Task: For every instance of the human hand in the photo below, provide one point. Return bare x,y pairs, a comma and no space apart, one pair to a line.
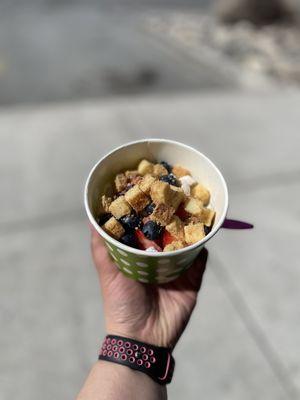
155,314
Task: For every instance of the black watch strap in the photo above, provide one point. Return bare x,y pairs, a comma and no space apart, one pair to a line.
157,362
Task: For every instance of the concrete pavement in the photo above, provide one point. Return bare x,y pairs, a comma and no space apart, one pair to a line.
58,51
242,342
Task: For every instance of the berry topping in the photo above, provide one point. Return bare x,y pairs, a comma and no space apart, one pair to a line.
171,179
129,239
181,213
131,222
167,238
167,166
207,229
152,230
148,209
103,218
144,243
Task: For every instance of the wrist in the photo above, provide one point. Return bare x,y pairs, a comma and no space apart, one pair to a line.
110,380
145,334
140,336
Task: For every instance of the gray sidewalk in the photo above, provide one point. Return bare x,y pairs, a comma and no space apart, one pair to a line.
243,340
63,51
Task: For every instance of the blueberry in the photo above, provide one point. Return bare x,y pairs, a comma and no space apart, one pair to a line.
131,222
167,166
207,229
102,218
152,230
148,210
171,179
129,239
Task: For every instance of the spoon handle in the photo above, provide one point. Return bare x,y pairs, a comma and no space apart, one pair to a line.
235,224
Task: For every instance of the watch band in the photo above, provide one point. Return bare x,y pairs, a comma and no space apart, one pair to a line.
157,362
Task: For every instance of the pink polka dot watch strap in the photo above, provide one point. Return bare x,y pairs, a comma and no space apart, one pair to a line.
157,362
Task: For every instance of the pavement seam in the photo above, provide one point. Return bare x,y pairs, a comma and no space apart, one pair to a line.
255,330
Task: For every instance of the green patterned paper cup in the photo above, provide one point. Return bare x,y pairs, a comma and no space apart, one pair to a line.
148,267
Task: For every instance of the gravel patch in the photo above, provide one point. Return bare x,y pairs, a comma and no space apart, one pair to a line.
270,54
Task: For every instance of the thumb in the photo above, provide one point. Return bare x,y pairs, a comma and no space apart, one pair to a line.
105,266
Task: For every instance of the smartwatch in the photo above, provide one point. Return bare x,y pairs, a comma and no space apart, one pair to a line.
157,362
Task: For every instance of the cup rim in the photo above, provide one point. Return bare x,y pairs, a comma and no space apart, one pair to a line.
124,247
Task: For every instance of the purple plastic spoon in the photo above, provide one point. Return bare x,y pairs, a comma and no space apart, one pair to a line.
235,224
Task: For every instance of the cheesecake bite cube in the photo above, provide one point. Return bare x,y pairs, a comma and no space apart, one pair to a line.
120,207
114,228
145,167
120,182
160,193
146,183
194,232
162,214
106,202
176,228
136,198
159,170
200,192
193,206
207,216
177,196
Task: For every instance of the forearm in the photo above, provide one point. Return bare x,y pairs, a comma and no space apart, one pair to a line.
110,381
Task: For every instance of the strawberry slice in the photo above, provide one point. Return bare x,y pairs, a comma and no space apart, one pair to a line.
167,238
145,243
181,213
